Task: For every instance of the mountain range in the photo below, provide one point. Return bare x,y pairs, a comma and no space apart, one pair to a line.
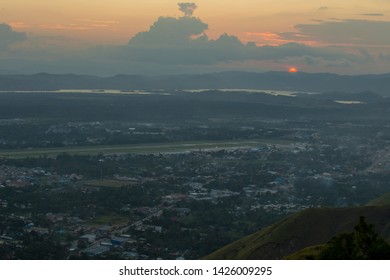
302,82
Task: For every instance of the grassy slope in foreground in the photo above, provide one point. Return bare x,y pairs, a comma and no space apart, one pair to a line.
380,201
315,251
304,229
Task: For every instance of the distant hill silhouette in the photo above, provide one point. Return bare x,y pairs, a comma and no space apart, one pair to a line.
305,82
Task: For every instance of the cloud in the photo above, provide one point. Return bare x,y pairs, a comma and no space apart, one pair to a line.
181,45
182,41
81,24
348,32
18,24
8,36
175,45
168,31
187,8
373,15
107,22
64,27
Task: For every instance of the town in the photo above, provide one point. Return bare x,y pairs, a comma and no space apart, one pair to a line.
127,183
177,205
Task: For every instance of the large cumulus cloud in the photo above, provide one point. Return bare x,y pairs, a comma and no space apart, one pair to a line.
183,41
169,32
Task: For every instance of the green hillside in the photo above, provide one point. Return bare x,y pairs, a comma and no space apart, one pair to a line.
380,201
304,229
306,253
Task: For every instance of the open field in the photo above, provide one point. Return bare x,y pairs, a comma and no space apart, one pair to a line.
106,183
145,148
109,219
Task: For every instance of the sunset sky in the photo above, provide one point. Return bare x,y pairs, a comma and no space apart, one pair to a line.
154,37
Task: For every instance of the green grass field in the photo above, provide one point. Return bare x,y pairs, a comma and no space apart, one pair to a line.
143,148
106,183
112,219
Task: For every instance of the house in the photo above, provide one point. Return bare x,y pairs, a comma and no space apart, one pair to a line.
130,255
104,230
38,230
118,241
95,250
88,237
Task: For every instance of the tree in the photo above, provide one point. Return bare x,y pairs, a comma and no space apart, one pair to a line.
363,243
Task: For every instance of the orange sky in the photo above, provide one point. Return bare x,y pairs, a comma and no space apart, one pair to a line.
349,36
116,21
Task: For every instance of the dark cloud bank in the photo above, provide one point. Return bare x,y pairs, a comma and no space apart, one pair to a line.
349,31
183,41
8,36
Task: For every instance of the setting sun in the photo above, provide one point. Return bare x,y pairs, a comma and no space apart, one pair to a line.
292,70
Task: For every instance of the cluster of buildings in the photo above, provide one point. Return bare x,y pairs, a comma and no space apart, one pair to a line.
269,179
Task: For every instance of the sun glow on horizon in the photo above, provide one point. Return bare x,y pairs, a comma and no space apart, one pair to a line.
292,70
